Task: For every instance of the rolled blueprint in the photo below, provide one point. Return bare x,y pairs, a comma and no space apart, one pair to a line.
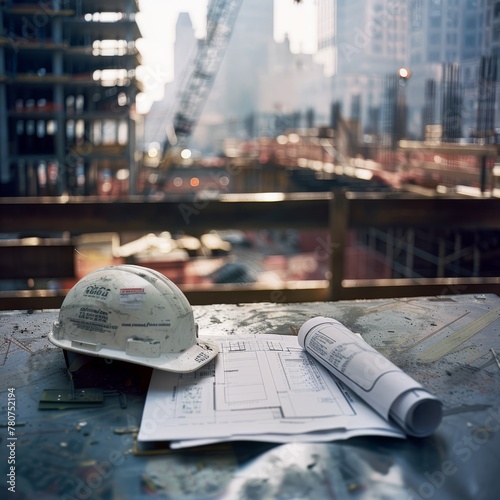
385,387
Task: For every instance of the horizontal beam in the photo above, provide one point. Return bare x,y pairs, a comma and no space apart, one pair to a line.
489,150
188,214
415,287
302,291
291,291
258,211
299,291
379,210
25,300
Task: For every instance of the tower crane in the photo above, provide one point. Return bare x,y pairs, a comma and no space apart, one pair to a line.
221,15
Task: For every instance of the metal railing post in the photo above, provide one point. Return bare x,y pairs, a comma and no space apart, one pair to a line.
339,213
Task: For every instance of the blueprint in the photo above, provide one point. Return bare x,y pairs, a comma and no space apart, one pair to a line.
387,389
260,387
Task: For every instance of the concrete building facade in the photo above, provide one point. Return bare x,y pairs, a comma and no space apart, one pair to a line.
447,41
67,97
361,44
446,45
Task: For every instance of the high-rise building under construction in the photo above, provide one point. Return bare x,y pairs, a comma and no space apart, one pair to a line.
67,97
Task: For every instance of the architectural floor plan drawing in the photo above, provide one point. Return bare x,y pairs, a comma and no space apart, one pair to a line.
259,387
259,374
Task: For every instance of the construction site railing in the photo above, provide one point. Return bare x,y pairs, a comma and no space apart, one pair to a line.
338,212
350,211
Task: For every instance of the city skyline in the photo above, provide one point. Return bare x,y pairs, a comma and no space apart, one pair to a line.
157,20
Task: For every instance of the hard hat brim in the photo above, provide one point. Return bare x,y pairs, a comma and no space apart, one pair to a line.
186,361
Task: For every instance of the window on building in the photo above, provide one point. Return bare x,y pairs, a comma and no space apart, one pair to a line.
435,8
435,38
471,23
470,41
435,22
451,56
433,56
496,33
452,18
497,10
416,58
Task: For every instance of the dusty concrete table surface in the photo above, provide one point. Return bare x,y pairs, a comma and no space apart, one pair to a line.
446,343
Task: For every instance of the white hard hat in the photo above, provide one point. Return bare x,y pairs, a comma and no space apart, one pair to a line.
135,314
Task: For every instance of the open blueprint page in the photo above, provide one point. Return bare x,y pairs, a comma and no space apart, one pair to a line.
260,387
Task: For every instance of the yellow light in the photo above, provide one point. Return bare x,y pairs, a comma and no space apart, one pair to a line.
404,73
122,174
194,182
185,154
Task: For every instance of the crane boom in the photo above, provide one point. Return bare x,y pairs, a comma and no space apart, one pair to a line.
221,15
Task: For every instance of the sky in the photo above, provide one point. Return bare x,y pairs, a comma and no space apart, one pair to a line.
157,20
